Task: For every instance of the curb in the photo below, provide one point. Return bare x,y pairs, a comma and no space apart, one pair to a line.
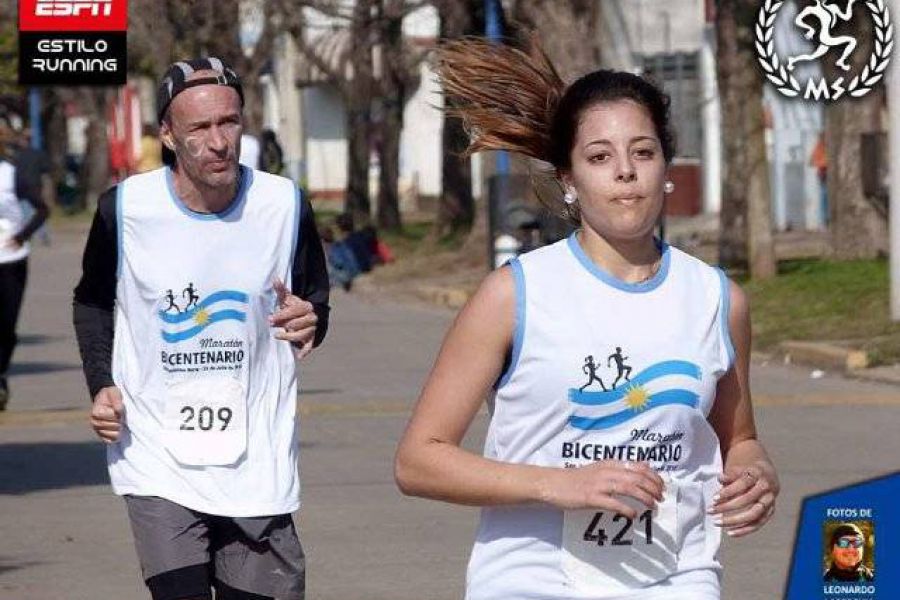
825,355
450,297
886,374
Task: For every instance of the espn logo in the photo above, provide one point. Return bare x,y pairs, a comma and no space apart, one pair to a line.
73,15
72,42
72,8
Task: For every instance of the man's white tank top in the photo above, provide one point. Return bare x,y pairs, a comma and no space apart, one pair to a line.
605,370
210,395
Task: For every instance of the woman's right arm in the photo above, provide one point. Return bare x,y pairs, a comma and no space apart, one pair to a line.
429,459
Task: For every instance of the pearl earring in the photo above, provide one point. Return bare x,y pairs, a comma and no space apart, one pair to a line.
569,198
668,187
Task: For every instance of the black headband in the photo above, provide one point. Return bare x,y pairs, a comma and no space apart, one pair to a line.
175,80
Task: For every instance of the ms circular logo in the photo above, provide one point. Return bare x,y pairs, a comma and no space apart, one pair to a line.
817,22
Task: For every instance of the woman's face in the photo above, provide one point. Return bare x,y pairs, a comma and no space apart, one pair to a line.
618,170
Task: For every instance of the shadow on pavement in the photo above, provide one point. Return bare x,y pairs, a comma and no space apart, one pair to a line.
30,339
29,368
44,466
7,565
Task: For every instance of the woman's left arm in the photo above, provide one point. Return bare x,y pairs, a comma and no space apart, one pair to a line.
749,482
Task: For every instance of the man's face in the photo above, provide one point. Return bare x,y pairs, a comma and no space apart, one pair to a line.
847,551
204,127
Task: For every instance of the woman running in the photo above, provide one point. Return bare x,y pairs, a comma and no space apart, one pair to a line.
586,493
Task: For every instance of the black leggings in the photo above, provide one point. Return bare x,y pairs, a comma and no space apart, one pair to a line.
13,277
193,583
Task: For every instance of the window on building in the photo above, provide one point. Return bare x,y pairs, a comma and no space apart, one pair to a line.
679,75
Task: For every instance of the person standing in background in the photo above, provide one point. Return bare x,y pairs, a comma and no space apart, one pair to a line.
151,149
249,156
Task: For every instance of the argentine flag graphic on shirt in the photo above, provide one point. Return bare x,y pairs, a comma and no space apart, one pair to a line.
222,305
665,383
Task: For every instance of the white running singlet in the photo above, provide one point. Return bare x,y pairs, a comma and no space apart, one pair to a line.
210,395
605,370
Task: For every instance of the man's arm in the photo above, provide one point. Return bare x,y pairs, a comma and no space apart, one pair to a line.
95,296
41,212
309,274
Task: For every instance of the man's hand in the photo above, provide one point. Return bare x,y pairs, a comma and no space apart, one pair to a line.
297,318
107,414
13,243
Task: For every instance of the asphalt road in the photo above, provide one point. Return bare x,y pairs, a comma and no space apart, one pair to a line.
64,536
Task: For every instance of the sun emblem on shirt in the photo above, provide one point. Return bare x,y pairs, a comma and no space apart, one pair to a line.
637,397
202,317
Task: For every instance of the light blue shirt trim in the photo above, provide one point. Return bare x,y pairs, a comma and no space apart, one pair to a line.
724,312
633,288
298,215
519,331
246,179
120,229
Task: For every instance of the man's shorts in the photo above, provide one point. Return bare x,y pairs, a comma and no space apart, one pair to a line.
183,552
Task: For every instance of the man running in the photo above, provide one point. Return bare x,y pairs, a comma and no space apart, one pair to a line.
199,408
621,367
16,228
828,16
192,296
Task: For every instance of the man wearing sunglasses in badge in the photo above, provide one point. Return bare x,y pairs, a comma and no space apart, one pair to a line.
848,545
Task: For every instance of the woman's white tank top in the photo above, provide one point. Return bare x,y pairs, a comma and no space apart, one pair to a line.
605,370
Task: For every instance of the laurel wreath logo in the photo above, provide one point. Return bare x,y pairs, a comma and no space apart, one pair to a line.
859,86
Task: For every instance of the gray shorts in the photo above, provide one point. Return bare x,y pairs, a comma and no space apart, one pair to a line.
176,546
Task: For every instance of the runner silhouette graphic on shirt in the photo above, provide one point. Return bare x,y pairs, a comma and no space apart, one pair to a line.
828,16
620,366
192,296
590,369
171,298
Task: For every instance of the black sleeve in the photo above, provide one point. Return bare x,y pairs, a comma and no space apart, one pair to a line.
95,295
41,211
309,274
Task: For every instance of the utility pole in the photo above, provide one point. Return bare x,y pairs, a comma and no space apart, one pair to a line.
34,116
893,103
493,27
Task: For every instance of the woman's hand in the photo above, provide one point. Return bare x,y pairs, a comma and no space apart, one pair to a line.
603,485
746,501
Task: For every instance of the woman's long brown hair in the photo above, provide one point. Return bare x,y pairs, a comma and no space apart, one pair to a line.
505,96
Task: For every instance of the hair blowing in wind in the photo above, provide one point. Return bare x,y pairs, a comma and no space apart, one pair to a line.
505,96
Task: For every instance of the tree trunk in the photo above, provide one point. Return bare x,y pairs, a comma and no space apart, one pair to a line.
94,175
575,53
357,98
745,218
858,229
253,104
456,207
56,140
393,96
